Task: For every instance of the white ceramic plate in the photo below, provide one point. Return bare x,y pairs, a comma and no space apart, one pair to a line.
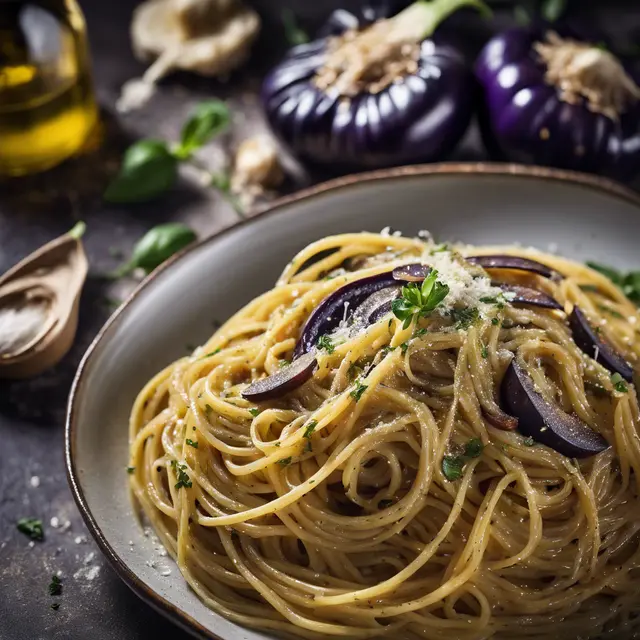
579,216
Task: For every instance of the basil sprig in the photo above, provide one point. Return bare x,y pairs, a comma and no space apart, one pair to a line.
628,282
150,167
156,246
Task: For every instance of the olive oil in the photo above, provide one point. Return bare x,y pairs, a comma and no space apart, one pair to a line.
47,104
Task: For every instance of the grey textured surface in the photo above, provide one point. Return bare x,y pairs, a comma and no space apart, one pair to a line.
95,603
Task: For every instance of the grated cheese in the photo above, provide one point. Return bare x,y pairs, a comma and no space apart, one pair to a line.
465,290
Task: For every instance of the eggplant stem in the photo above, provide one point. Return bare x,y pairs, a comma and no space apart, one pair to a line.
582,71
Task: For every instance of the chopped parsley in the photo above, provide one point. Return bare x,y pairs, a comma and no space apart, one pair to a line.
183,478
465,317
130,469
419,332
473,448
452,466
358,390
495,321
285,461
31,527
192,443
528,442
324,343
403,347
211,353
618,383
387,350
284,363
254,411
484,352
310,428
628,282
55,586
419,301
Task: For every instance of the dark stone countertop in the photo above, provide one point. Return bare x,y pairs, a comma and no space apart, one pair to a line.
95,603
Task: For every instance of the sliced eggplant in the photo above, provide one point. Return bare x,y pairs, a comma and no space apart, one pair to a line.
514,263
376,306
328,314
501,420
526,295
411,272
589,342
284,381
545,421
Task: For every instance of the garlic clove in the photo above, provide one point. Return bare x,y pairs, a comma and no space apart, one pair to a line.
39,300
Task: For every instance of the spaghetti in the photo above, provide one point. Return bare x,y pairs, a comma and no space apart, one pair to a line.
378,499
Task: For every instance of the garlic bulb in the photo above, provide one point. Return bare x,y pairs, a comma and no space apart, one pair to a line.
208,37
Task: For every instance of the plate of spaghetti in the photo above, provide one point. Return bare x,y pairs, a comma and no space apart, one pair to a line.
381,434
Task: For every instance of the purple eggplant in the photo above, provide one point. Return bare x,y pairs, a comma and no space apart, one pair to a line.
595,347
342,302
374,94
287,379
526,295
514,263
551,98
411,272
545,421
376,306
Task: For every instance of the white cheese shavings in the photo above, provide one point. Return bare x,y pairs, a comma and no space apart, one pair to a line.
465,290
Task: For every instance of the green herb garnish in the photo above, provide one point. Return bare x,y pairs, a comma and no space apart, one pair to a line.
55,586
619,383
420,332
294,34
473,448
284,363
416,302
254,411
183,478
383,504
403,347
528,442
310,428
610,311
156,246
495,321
484,352
452,466
358,390
285,461
628,282
211,353
465,317
324,343
31,527
130,469
192,443
150,167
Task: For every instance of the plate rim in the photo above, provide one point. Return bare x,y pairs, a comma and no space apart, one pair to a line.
176,614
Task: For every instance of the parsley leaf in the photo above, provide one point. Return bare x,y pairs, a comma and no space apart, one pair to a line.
465,317
211,353
358,390
618,383
254,411
183,478
419,301
452,467
403,347
31,527
324,343
310,428
484,352
55,586
130,469
192,443
285,461
473,448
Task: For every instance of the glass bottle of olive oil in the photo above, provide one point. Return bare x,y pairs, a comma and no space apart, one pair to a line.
47,104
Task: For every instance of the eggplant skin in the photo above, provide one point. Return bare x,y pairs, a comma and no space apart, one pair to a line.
419,118
523,119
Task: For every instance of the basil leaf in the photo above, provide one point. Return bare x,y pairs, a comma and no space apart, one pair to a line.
613,274
156,246
208,120
553,10
148,170
452,467
473,448
631,286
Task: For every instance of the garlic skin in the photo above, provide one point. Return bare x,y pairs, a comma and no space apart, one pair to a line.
207,37
256,168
